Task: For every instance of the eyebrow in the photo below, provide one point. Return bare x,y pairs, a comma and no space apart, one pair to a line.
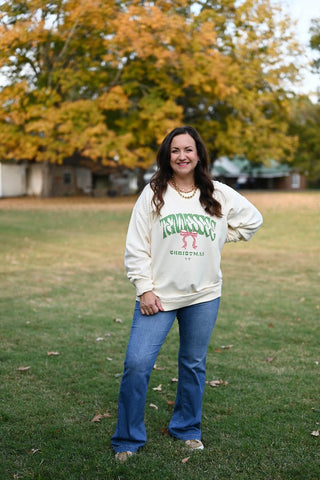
188,146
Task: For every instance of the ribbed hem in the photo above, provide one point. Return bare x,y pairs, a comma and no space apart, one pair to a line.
188,300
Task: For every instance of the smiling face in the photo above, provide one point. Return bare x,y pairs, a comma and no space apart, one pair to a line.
183,156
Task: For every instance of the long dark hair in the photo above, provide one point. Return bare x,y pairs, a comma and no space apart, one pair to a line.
203,181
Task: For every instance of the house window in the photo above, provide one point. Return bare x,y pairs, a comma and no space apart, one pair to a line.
67,178
295,180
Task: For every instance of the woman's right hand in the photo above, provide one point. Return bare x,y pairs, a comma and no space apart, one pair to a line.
150,304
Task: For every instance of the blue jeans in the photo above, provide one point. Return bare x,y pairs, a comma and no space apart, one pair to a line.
147,335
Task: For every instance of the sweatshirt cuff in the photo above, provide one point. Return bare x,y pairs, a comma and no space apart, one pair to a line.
233,235
143,286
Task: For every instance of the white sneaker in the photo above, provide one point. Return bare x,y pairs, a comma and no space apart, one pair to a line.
123,456
194,444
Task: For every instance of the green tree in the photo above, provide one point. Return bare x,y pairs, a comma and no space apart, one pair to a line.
305,124
315,41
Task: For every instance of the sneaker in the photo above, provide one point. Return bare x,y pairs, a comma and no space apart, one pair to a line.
123,456
194,444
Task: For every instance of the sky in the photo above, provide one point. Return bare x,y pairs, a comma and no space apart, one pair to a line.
303,11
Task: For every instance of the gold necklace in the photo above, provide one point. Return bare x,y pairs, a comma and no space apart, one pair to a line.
186,195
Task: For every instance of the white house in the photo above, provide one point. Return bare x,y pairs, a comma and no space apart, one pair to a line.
38,179
13,180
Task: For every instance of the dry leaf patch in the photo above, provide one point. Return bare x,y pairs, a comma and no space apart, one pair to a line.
216,383
99,416
158,388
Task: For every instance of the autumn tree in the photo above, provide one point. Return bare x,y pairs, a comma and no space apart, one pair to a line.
59,92
305,121
104,81
252,118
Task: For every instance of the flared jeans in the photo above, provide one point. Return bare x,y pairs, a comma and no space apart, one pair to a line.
147,335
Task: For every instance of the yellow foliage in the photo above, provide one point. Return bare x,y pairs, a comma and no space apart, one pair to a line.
114,99
107,80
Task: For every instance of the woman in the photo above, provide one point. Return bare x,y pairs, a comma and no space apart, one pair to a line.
173,250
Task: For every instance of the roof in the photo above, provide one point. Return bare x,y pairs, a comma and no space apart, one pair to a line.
242,167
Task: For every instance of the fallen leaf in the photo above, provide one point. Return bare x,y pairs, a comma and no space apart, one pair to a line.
315,433
171,402
118,320
34,450
165,432
184,460
218,350
271,325
152,405
302,299
23,369
52,354
216,383
98,417
226,347
155,367
270,359
158,388
174,380
107,415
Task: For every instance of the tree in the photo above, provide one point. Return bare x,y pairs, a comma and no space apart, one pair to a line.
305,121
55,105
315,41
305,124
252,119
104,81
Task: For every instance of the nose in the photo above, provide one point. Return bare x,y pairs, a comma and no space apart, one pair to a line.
182,155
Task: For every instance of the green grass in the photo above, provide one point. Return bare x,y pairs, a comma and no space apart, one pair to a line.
62,285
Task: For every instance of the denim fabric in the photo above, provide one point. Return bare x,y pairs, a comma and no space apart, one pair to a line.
147,335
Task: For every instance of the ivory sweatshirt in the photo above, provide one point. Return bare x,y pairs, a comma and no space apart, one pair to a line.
177,255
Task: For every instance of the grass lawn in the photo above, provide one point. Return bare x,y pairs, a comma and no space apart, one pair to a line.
65,314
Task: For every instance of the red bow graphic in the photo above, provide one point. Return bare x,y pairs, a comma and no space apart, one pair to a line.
185,235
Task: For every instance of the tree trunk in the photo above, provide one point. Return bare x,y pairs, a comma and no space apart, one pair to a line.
47,187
